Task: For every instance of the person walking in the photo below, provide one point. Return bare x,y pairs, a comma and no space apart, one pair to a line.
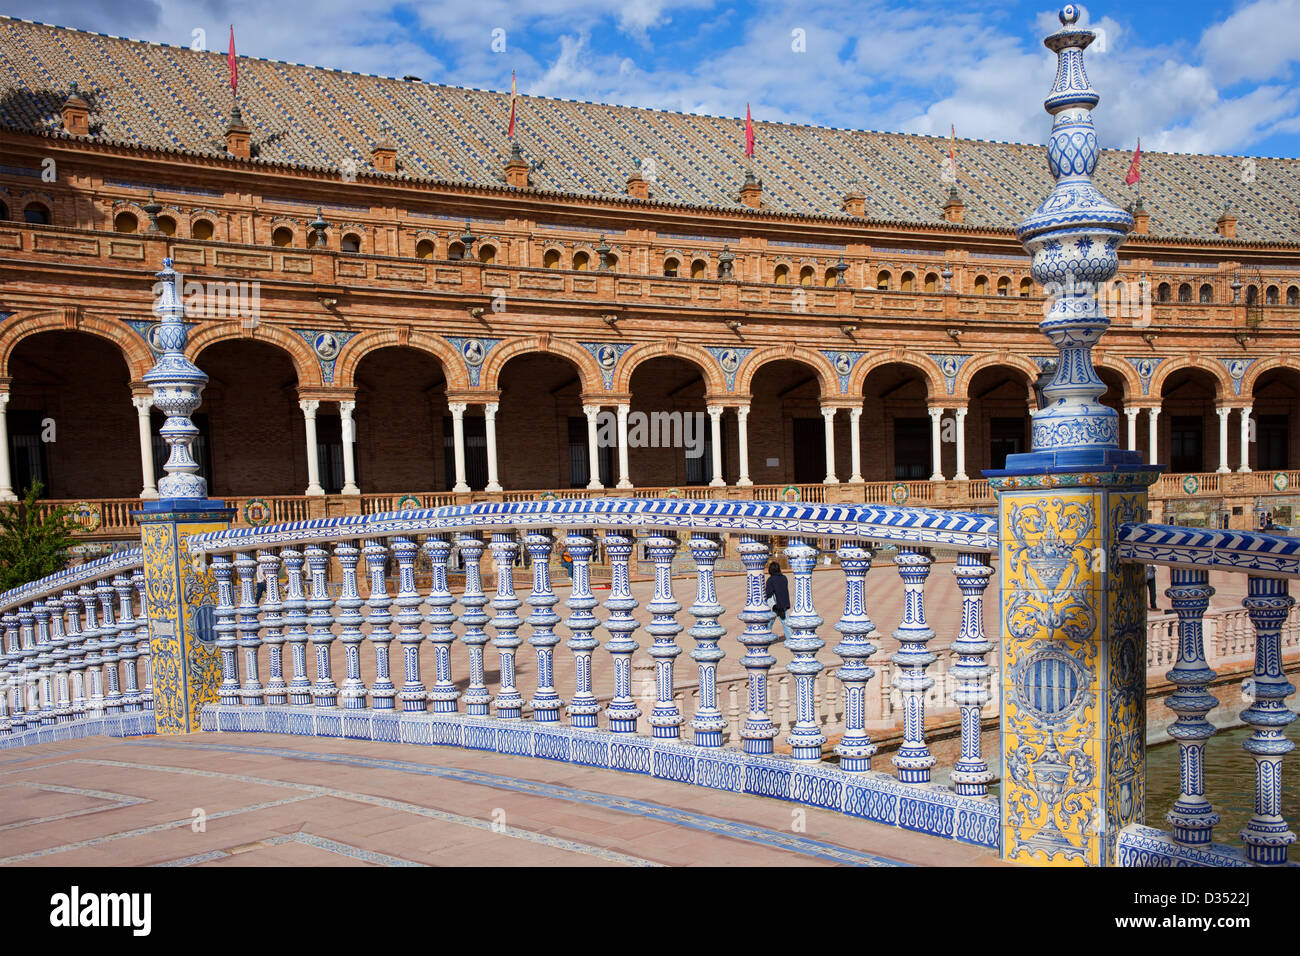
777,591
1152,603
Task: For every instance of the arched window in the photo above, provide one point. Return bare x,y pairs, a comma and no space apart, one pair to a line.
806,275
907,282
167,225
37,213
282,237
611,260
828,280
882,280
201,229
126,222
456,250
1252,295
315,239
671,266
4,211
1026,288
1293,296
350,243
782,275
981,285
1271,296
698,268
1163,292
424,249
487,254
1185,292
931,282
1207,294
581,262
551,260
1004,286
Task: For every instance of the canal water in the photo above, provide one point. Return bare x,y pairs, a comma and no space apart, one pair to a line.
1229,782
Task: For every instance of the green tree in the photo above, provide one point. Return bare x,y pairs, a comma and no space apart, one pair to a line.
33,542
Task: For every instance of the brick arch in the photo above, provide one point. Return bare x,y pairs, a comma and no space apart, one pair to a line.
1216,371
305,364
1271,364
828,380
453,365
714,382
1127,373
961,387
935,386
588,370
135,351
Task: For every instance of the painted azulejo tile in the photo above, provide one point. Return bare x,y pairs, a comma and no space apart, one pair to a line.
1051,797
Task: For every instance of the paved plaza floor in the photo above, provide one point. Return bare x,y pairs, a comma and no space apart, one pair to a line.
270,800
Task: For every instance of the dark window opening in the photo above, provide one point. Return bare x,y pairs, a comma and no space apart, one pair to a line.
911,448
1273,443
1006,437
1186,443
809,450
475,452
579,470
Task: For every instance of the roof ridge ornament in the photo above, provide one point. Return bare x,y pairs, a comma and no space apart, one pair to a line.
1074,237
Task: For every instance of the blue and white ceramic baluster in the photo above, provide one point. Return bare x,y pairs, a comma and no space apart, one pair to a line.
622,711
913,758
76,653
506,623
855,747
324,692
268,562
127,652
353,691
1192,816
59,652
94,662
6,682
443,695
971,775
805,737
413,695
708,722
758,730
44,663
27,668
665,718
247,626
142,642
583,708
13,671
542,599
108,642
295,634
382,693
226,629
1266,835
472,599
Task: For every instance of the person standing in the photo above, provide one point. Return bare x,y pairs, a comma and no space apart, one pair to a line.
777,591
1152,603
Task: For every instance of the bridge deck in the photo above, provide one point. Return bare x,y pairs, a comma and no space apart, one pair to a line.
305,801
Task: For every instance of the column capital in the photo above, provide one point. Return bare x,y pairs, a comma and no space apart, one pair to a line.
142,403
828,412
935,412
347,408
715,411
490,409
591,411
458,408
1131,411
308,406
742,411
855,412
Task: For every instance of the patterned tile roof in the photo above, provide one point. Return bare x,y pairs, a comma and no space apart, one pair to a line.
171,97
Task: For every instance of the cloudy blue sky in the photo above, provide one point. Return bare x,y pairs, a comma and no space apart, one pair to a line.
1186,77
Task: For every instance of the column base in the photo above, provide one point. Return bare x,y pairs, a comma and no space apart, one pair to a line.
461,488
1223,470
717,483
315,490
148,494
744,483
830,481
937,477
351,489
624,483
493,486
594,485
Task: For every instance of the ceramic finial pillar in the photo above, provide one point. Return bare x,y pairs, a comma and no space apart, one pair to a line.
1074,626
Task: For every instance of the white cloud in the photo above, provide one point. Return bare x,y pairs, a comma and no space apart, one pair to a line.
1258,42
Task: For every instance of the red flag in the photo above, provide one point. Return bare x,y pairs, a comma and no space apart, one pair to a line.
952,151
749,132
1134,170
511,133
230,61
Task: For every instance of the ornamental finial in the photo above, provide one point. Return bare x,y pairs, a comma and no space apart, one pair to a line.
1074,237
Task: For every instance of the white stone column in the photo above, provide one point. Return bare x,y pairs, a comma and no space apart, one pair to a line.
143,404
1131,413
6,478
961,446
458,444
623,480
593,445
490,426
715,433
936,442
1153,435
349,430
1245,439
742,433
855,444
309,407
1223,414
828,416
